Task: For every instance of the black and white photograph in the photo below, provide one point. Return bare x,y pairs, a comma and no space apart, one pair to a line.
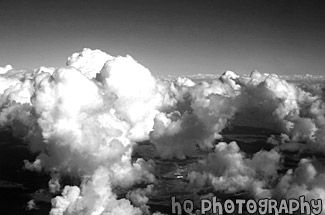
162,107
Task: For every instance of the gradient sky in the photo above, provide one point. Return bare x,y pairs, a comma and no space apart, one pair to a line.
169,37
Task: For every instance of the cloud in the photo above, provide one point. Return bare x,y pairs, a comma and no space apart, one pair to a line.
228,170
200,113
307,180
84,119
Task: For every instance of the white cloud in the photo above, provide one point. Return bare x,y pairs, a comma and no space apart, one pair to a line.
84,119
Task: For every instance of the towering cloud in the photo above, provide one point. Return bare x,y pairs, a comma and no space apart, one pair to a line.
85,125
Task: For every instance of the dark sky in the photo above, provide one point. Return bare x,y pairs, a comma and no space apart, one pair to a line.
169,37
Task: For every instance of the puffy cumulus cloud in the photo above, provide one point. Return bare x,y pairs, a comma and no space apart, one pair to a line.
317,111
306,137
307,180
230,78
17,116
84,125
13,89
17,89
5,69
137,96
83,120
89,62
177,135
139,197
202,112
176,94
306,130
95,197
15,108
228,170
17,85
267,101
227,85
227,162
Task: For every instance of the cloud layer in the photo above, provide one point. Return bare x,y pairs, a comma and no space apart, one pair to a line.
84,119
